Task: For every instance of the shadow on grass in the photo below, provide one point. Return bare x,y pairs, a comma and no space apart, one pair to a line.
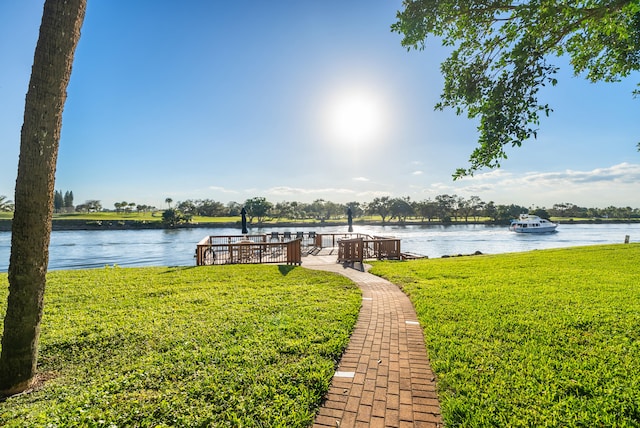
171,269
285,269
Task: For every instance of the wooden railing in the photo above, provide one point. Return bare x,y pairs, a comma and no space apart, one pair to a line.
351,250
383,248
232,239
218,250
307,239
358,249
284,249
330,240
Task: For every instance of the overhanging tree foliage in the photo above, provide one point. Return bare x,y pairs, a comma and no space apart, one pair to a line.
501,58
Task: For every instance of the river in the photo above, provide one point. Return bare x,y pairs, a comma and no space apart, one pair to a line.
90,249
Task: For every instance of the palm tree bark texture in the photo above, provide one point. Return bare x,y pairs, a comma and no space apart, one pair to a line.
34,191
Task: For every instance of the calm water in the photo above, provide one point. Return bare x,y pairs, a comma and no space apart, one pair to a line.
88,249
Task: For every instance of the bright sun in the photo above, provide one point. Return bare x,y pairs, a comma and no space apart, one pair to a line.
355,117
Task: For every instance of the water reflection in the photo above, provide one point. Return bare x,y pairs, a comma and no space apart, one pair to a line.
90,249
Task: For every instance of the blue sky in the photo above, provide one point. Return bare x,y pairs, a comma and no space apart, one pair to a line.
293,100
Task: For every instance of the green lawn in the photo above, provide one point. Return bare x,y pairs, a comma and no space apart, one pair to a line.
544,338
210,346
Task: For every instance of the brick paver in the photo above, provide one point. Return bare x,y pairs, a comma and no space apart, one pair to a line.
384,378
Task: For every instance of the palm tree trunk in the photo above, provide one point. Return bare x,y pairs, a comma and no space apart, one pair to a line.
31,229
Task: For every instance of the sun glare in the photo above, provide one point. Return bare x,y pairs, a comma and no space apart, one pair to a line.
355,117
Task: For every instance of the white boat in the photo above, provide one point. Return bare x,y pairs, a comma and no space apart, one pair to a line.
532,224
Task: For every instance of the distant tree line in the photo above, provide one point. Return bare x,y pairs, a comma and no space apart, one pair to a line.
90,206
443,208
128,207
63,203
5,204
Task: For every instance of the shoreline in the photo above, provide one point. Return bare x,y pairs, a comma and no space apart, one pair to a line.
66,224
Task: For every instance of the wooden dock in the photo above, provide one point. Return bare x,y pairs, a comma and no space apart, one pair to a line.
288,248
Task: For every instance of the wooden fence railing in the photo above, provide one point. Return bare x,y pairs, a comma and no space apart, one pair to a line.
351,250
330,240
218,250
284,249
383,248
359,249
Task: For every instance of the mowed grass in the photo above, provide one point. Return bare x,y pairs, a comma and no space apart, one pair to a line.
199,346
544,338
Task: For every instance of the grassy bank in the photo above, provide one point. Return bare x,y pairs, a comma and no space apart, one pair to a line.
223,346
546,338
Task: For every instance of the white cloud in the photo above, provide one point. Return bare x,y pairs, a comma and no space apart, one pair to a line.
373,194
417,173
287,191
489,175
222,189
621,173
617,185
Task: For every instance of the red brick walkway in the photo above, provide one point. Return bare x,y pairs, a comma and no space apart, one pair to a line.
384,378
